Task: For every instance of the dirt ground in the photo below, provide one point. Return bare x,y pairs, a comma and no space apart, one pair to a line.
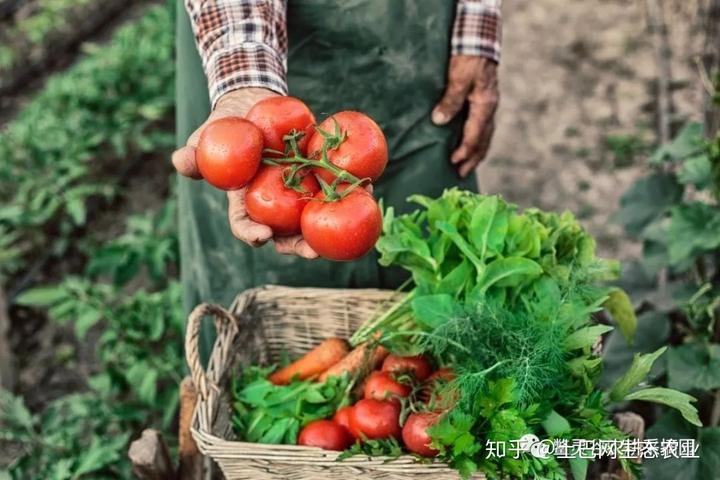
577,108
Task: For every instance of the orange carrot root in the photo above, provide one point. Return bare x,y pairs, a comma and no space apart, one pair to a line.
361,360
316,361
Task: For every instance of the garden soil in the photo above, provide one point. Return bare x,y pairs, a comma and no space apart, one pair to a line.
577,107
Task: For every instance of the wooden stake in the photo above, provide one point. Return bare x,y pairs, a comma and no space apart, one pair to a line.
150,457
191,465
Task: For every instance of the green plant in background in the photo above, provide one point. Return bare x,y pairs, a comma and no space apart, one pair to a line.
79,435
138,337
34,31
94,118
674,211
149,242
625,148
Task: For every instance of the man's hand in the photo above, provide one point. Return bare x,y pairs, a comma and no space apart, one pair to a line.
236,104
472,79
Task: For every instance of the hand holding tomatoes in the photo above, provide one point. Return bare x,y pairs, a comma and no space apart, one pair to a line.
237,104
335,218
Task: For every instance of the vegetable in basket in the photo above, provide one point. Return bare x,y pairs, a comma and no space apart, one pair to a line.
504,306
508,300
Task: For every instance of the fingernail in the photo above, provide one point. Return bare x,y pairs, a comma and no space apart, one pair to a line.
438,117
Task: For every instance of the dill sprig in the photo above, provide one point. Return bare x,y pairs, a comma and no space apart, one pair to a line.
488,342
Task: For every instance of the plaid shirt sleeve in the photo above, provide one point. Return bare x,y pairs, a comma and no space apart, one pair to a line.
477,29
243,43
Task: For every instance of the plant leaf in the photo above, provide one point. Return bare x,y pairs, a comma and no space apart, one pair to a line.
649,198
694,366
509,272
694,229
488,226
41,296
638,371
621,309
88,317
697,171
555,424
578,467
433,310
652,333
680,401
685,143
586,336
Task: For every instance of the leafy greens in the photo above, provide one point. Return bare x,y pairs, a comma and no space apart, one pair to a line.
507,299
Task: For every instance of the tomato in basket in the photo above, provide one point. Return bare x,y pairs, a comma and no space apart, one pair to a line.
342,417
418,366
415,433
375,419
382,386
325,434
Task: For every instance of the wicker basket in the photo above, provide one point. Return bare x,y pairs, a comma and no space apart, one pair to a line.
260,324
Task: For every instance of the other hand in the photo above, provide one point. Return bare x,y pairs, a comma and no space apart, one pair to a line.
470,79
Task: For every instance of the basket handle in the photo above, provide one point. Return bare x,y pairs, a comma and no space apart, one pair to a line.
223,320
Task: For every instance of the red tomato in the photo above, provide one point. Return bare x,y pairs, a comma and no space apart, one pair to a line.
417,366
381,386
229,152
415,435
342,417
342,230
364,153
270,202
278,116
375,419
325,434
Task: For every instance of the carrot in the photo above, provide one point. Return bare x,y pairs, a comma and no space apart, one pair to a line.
317,360
362,359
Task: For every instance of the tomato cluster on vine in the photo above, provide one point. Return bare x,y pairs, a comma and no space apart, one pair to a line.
300,177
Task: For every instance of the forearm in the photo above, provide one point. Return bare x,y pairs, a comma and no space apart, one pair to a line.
477,30
242,43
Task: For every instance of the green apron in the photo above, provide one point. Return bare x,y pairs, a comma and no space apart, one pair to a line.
387,58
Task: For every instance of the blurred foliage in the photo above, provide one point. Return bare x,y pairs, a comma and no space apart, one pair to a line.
67,145
138,338
32,31
674,211
625,149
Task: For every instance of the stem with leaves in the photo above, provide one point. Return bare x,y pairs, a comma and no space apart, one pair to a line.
298,164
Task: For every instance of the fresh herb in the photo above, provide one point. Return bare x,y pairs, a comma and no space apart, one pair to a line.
464,247
507,299
268,413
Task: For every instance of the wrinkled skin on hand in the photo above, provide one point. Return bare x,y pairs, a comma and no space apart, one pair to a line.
474,80
236,104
